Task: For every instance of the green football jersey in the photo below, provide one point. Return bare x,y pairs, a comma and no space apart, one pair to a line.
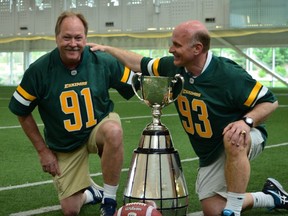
223,93
70,102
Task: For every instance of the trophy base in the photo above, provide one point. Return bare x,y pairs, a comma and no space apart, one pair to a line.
156,174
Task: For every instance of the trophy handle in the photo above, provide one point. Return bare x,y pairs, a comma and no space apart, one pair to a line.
177,78
136,78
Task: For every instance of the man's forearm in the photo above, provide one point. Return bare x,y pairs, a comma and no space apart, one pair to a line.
261,112
130,59
31,130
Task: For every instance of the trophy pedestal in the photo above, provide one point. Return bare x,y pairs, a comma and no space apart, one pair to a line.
156,174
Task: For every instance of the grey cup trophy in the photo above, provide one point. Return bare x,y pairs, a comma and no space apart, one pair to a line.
157,92
155,173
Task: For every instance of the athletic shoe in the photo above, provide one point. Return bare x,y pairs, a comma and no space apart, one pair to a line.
108,208
275,189
97,195
96,191
227,212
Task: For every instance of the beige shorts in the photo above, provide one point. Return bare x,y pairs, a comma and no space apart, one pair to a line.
211,179
74,166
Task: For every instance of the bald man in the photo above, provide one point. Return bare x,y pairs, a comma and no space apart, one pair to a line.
222,110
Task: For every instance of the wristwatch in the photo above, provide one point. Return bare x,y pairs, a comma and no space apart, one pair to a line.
249,121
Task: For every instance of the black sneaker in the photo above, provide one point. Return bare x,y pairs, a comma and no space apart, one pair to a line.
108,208
97,194
275,189
227,212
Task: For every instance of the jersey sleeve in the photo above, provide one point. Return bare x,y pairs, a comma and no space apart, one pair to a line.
124,87
259,94
248,91
158,66
120,76
24,99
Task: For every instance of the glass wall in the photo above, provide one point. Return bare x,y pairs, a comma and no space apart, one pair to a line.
13,64
11,67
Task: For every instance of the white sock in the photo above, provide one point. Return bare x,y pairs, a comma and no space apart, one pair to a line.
110,191
235,202
89,196
262,200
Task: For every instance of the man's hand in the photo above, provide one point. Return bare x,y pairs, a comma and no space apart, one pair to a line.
95,47
49,162
237,132
129,59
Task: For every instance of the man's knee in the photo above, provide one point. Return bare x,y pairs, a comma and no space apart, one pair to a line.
69,208
70,212
113,132
213,206
235,149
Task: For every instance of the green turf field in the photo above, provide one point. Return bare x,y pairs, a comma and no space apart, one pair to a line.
24,187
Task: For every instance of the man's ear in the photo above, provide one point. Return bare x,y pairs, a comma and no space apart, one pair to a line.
198,48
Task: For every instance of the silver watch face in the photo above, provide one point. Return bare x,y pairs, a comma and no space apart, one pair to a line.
249,120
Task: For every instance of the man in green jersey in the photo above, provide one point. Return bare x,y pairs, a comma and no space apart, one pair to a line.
221,109
70,87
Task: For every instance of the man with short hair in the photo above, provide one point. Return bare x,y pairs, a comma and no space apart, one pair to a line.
70,85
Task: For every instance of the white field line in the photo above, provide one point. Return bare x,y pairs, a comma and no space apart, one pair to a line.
37,211
57,207
99,173
200,213
123,118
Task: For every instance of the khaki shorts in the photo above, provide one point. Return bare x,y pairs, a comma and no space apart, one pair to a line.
211,179
74,166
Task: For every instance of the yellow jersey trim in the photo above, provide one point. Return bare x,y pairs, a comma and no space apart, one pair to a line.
25,94
253,95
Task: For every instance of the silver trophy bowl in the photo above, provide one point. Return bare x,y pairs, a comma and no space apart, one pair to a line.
157,92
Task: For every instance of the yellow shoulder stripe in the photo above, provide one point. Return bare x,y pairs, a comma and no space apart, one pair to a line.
125,75
25,94
155,66
253,95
